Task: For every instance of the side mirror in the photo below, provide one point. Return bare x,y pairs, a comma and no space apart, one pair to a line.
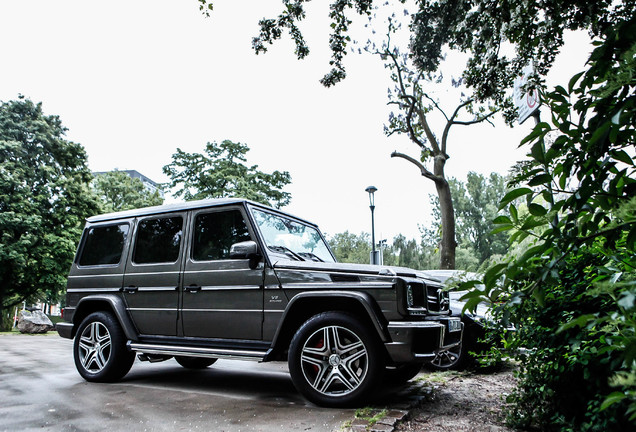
245,250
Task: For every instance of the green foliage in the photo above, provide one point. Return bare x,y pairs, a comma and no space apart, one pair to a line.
475,202
118,191
351,248
481,28
221,173
571,290
408,253
44,199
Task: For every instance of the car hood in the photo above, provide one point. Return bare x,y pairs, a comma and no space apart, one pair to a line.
366,270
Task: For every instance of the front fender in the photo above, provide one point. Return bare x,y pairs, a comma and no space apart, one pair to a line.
363,299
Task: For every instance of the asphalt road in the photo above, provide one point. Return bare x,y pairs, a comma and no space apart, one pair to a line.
41,390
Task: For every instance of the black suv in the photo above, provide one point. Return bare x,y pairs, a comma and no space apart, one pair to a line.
230,278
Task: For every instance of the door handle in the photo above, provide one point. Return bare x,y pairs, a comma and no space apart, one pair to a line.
193,288
130,289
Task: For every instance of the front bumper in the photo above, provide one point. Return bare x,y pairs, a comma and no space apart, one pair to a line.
413,341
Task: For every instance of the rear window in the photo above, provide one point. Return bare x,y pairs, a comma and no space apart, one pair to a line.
103,245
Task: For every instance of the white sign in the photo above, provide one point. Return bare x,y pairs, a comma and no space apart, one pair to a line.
527,103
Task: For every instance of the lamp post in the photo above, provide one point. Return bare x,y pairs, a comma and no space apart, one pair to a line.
371,190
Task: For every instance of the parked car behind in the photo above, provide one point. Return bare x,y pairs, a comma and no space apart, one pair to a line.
459,357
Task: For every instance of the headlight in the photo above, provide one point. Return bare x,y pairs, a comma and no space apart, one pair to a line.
409,295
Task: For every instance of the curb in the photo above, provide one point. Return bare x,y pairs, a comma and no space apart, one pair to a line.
397,410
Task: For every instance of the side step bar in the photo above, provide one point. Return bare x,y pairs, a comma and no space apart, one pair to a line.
188,351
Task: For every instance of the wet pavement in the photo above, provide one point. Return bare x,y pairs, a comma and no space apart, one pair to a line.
41,390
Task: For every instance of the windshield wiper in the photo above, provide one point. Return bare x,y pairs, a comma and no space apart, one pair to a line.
286,251
311,256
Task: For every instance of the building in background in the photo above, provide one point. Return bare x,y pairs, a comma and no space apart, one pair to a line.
152,186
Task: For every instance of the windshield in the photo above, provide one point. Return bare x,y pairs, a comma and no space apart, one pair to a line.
291,238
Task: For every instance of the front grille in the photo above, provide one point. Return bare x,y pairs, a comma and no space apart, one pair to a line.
437,300
424,299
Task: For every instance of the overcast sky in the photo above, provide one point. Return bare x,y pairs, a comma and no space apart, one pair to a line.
134,80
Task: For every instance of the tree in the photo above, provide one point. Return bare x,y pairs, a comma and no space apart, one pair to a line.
416,106
118,191
571,291
482,28
351,248
221,172
476,206
44,199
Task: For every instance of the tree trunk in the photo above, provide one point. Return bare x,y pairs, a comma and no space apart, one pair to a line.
448,244
447,212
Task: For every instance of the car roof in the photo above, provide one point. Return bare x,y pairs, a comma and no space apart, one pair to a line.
184,206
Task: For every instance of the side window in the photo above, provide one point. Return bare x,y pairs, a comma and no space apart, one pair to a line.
215,233
158,240
103,245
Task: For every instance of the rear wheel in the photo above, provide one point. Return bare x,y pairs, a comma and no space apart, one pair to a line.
195,362
100,350
334,360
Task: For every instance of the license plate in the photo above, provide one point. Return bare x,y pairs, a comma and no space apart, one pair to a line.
454,325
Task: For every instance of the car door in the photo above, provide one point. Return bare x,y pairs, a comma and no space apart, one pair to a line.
222,297
152,279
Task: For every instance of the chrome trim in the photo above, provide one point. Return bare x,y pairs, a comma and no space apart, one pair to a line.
416,324
151,309
222,310
101,275
304,285
92,290
164,288
230,287
196,351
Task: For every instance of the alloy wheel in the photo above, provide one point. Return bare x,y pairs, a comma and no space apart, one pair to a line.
334,361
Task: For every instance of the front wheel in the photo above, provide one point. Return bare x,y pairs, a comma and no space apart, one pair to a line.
334,360
99,349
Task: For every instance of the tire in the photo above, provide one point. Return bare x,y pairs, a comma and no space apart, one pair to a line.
195,362
454,359
100,350
335,361
400,374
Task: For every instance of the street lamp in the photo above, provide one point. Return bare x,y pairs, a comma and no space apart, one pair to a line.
371,190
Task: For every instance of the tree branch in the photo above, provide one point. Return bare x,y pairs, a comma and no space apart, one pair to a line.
426,173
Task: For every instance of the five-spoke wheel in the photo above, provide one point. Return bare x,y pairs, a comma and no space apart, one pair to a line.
334,360
100,349
451,359
94,347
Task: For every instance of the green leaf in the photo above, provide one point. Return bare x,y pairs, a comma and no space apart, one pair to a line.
611,399
537,210
513,195
503,219
623,156
493,273
573,81
540,180
514,213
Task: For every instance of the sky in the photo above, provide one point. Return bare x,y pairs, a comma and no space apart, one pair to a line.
135,80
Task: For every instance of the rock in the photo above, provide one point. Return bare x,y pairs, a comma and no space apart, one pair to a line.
34,322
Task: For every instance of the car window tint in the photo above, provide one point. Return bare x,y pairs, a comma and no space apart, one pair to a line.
158,240
215,233
103,245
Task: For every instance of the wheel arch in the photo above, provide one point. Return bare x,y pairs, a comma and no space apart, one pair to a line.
307,304
106,303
